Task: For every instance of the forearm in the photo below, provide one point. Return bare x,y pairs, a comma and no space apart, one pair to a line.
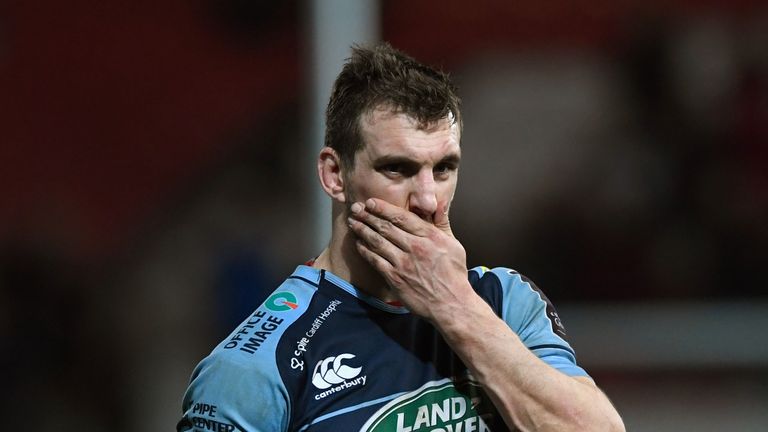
527,392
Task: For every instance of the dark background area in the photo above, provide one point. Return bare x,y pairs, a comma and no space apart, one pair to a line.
153,187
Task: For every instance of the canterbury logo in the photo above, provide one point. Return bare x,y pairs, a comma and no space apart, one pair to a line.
332,371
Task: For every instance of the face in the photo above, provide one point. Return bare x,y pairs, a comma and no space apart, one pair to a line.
411,168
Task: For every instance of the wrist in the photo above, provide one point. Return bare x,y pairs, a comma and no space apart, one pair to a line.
460,316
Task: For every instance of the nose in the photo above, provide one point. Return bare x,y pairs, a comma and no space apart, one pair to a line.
423,197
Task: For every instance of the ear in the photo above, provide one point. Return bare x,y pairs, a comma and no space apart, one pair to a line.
330,174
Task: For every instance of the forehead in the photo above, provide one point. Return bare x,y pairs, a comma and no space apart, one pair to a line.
387,133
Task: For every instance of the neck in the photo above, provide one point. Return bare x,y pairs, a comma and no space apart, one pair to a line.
342,259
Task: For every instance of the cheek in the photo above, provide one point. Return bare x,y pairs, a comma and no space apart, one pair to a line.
446,192
445,195
392,193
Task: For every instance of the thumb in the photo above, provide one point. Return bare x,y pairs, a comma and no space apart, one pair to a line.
441,218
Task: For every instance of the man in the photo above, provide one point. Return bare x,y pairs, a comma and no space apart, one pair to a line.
387,330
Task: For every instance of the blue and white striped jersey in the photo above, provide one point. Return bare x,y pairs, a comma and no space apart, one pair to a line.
320,355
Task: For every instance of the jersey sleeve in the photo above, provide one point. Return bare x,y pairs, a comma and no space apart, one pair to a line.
531,315
230,392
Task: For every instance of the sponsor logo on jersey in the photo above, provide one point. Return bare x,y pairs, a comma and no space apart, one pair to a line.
555,318
438,406
303,343
254,332
333,375
203,418
281,301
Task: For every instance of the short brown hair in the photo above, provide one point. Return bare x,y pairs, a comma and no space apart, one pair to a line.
383,76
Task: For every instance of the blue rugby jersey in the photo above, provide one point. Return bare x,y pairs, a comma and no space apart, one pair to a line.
320,355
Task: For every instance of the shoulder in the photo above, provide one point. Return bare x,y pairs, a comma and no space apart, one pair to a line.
505,277
222,390
513,285
243,368
258,334
520,300
529,313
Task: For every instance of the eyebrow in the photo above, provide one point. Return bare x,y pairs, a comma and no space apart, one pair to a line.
453,159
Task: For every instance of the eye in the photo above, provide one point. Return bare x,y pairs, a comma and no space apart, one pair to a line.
393,168
443,169
396,169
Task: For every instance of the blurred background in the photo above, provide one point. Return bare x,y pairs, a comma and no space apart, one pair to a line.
157,179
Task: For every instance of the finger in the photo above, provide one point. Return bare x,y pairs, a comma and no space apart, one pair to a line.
374,241
376,261
385,228
397,216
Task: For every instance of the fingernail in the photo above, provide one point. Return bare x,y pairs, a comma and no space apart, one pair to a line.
356,208
370,204
350,221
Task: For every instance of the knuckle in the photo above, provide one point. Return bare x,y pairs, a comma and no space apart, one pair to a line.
407,266
386,227
375,241
419,248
